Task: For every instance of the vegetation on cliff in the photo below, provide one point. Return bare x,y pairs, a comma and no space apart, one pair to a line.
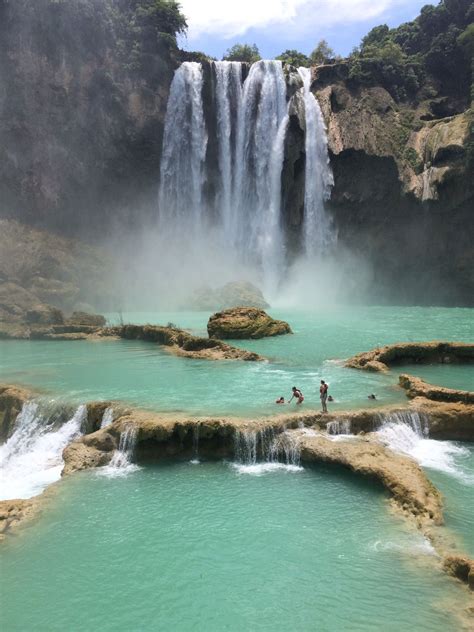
437,46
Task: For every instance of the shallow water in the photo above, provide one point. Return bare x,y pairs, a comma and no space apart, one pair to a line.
204,547
144,374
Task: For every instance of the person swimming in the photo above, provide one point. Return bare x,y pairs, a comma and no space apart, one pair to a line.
298,395
371,396
280,400
330,398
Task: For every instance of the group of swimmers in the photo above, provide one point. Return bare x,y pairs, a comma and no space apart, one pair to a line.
323,396
298,395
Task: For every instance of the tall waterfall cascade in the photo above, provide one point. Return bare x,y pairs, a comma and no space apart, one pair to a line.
317,230
223,158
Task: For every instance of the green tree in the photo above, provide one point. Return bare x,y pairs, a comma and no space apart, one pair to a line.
294,58
243,52
322,53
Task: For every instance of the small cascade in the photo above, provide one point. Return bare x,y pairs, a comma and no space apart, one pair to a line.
122,458
318,232
31,459
258,451
107,417
406,432
195,460
339,427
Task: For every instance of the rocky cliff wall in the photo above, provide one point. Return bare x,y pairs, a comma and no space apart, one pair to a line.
403,189
82,106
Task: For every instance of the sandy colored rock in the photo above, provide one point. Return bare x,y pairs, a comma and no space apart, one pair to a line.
14,512
460,567
416,387
12,399
245,323
382,358
400,475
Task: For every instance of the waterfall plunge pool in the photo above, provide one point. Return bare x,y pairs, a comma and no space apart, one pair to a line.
143,374
204,547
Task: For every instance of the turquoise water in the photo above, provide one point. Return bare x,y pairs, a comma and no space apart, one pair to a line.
182,547
144,374
457,489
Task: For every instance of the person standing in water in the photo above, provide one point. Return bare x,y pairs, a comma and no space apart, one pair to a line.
298,394
323,394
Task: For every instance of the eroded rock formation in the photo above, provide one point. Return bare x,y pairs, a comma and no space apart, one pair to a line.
245,322
416,387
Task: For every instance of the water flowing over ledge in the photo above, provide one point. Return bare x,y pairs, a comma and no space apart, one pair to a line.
390,450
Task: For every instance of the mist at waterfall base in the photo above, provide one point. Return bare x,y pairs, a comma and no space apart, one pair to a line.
220,214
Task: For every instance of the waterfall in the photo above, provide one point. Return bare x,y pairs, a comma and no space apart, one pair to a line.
107,417
250,119
182,175
261,128
31,459
257,451
339,427
195,460
318,233
406,432
122,458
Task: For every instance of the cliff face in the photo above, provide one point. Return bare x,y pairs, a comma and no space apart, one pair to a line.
82,106
403,192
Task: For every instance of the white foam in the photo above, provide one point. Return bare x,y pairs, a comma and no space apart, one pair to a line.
259,469
31,459
437,455
411,546
112,471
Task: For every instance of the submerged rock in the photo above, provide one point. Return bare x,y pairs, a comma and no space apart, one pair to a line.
245,322
229,295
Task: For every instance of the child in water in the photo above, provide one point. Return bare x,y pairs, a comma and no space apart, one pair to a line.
280,400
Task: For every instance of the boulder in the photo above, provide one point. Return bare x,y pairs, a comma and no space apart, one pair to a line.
83,318
229,295
245,322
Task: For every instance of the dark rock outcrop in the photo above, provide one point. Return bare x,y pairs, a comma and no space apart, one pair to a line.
245,322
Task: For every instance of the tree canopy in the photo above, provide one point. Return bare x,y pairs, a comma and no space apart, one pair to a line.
322,53
294,58
243,52
436,43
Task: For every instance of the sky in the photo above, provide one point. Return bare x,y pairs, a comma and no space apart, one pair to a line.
277,25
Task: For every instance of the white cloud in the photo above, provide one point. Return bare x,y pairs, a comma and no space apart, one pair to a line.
232,18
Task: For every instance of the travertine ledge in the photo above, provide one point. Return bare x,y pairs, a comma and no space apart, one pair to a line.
381,358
